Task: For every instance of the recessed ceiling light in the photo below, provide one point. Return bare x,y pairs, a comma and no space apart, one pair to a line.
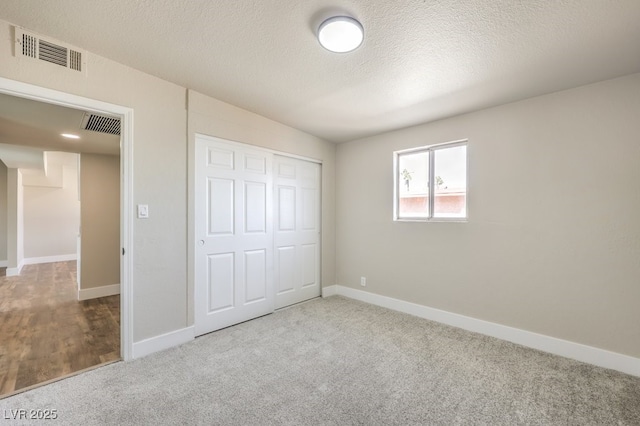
69,136
340,34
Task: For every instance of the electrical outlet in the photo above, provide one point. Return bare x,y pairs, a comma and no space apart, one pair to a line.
363,281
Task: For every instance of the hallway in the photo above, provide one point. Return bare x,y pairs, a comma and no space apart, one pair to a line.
46,333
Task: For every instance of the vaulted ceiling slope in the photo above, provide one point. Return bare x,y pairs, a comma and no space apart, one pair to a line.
420,61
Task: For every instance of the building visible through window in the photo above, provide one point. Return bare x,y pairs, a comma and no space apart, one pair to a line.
439,170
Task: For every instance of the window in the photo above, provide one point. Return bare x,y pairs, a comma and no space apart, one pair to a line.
440,170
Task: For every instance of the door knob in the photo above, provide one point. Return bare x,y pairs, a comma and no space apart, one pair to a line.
201,242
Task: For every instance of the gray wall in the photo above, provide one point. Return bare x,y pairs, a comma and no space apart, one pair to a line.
552,244
99,220
159,177
15,221
161,293
3,212
212,117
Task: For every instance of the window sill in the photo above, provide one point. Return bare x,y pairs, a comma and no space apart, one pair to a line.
435,219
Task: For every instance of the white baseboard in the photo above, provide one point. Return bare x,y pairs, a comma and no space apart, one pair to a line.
162,342
14,272
94,293
589,354
4,263
50,259
331,290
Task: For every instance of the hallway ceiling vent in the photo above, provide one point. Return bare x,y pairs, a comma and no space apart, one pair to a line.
101,123
31,45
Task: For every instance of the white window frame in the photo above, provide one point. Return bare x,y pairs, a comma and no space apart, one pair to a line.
431,150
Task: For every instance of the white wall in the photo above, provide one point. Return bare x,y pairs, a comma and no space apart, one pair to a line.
52,217
552,244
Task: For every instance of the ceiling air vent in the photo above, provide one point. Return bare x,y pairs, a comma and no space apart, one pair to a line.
31,45
101,123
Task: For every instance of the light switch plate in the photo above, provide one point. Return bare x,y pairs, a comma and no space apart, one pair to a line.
143,211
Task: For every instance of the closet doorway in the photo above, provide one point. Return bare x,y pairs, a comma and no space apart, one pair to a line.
257,232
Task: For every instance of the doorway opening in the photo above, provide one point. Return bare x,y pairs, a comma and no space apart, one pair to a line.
55,282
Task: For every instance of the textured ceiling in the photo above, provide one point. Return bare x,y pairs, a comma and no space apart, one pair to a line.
420,61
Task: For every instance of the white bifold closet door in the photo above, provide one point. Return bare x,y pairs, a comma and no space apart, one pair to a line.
234,235
237,214
296,230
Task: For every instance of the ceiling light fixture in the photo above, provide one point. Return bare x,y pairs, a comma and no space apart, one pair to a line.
69,136
340,34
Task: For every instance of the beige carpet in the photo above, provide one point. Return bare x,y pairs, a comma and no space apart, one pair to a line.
339,362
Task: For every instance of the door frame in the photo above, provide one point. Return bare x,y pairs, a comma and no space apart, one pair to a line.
42,94
192,238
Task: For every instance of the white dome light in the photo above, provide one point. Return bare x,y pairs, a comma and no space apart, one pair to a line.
340,34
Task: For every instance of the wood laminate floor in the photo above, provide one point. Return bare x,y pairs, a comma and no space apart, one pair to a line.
46,333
